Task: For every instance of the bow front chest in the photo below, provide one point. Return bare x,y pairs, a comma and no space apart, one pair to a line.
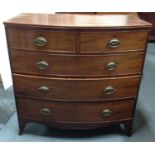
76,71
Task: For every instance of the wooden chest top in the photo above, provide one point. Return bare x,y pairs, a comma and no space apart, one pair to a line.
78,21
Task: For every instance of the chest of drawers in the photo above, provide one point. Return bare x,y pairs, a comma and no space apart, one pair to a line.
76,71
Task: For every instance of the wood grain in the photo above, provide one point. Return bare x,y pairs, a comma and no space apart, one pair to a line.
76,65
75,89
57,41
75,111
71,21
98,42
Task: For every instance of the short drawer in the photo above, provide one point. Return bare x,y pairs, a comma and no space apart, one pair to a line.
75,111
117,41
82,66
44,40
75,88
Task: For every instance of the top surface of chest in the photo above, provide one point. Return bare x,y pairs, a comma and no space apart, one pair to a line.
78,21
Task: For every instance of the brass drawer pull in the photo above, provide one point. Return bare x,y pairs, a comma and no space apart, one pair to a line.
111,66
46,111
43,88
106,113
42,64
114,43
40,41
109,90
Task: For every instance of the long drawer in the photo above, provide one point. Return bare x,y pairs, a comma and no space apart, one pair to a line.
42,39
75,111
116,41
75,88
77,65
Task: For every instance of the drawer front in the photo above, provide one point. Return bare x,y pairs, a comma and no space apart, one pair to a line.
112,41
75,89
75,111
63,65
45,40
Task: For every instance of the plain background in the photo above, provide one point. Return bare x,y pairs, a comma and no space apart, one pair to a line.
10,8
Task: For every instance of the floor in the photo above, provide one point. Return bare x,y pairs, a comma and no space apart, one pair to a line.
143,128
7,104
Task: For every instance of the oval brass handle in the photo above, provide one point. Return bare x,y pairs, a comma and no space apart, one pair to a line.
46,111
114,43
106,113
40,41
109,90
42,64
43,88
111,66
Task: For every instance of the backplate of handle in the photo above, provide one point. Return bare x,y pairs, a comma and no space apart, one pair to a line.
111,66
106,113
46,111
43,88
109,90
41,64
40,41
114,43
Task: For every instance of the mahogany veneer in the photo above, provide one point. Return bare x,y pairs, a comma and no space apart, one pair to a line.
77,65
76,71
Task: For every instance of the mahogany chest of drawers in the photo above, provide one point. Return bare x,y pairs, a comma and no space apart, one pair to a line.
76,71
